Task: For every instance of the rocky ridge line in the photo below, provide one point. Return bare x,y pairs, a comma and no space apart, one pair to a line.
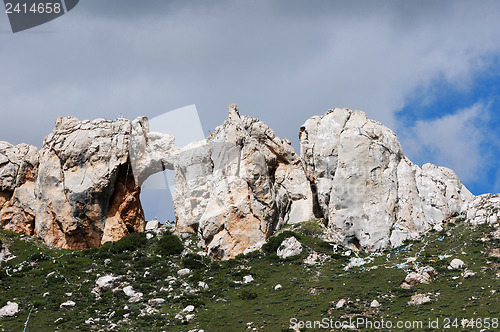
234,189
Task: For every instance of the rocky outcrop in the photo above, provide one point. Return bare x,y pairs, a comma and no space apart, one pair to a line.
240,185
18,170
370,194
235,188
85,191
78,191
483,209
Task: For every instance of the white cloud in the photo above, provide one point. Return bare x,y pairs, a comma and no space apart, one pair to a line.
454,141
280,61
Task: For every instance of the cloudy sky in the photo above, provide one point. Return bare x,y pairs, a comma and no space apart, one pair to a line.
430,70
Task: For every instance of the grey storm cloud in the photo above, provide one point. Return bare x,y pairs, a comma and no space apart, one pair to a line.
280,61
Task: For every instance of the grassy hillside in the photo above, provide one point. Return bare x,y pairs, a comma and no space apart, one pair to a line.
40,278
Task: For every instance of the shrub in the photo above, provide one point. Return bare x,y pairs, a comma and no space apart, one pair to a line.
247,295
130,242
193,262
169,244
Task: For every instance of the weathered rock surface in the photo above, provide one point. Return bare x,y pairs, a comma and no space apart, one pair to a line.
419,299
85,191
78,191
483,209
18,170
423,275
10,309
289,247
234,189
371,195
239,186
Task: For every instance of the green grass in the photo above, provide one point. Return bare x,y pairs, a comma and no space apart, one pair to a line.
307,293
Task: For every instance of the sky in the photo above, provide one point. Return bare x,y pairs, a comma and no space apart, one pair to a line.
429,70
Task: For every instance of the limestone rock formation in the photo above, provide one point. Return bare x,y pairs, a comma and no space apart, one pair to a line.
85,191
370,194
240,185
483,209
18,170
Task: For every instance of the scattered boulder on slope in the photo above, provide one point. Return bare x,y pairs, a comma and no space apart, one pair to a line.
9,310
289,247
372,196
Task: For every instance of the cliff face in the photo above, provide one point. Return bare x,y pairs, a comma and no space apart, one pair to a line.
371,195
234,189
18,171
239,186
78,191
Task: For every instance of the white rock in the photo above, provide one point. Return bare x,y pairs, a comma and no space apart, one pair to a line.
156,302
67,304
362,176
188,309
132,294
289,247
9,310
374,304
202,284
468,273
340,303
247,279
105,283
456,264
225,186
189,317
183,272
419,299
423,275
278,287
152,225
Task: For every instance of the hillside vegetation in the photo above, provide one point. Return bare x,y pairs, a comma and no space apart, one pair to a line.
174,287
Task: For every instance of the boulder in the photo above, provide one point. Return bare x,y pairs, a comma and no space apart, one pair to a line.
247,279
9,310
105,283
419,299
132,294
289,247
456,264
67,305
153,225
423,275
85,191
371,195
239,186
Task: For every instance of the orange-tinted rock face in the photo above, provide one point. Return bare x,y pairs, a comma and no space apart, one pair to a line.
78,192
18,169
125,208
86,192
